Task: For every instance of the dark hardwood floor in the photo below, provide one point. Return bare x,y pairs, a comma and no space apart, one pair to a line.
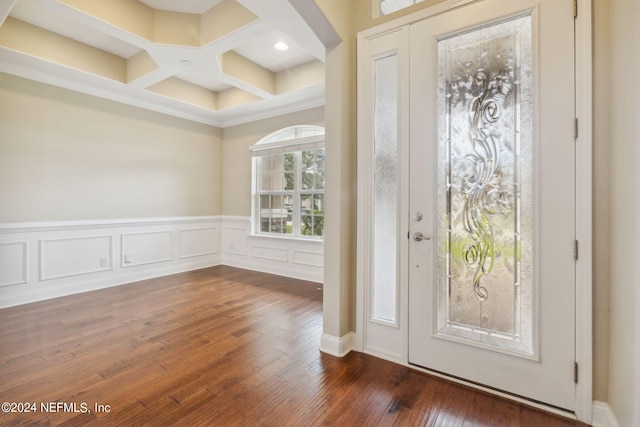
216,347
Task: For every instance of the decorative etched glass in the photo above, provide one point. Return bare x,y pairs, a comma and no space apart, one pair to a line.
485,187
385,233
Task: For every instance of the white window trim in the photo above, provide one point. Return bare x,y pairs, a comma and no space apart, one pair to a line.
265,148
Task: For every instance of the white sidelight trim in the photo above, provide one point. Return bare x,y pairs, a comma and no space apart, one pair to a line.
584,209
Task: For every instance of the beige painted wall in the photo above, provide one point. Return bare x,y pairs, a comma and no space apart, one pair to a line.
236,157
624,116
68,156
340,220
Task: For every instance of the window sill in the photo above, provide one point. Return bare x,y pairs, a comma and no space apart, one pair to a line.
286,238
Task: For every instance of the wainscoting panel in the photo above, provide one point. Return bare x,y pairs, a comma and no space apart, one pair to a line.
146,248
47,260
235,237
72,256
312,259
197,242
270,253
14,263
298,258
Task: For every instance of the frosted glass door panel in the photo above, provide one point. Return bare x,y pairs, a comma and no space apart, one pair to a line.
485,187
385,225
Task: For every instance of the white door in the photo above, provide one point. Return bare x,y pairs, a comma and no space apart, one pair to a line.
491,189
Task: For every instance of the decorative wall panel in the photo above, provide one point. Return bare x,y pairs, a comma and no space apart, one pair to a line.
146,248
13,263
198,241
72,256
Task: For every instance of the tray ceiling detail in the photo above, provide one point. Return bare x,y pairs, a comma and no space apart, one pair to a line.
211,61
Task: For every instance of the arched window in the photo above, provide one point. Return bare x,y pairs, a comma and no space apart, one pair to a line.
288,183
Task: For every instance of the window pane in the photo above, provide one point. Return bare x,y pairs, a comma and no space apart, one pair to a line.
312,215
265,164
320,170
308,169
305,202
390,6
305,133
287,134
266,172
318,225
306,217
290,181
278,162
307,180
265,182
278,181
274,216
313,169
265,207
289,162
385,221
317,202
278,215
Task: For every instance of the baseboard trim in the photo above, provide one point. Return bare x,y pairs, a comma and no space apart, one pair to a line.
337,346
272,268
603,416
87,285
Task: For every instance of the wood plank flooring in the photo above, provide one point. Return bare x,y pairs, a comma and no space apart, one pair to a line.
215,347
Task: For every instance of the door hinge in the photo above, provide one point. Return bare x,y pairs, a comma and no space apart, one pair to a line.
575,8
575,372
575,128
575,250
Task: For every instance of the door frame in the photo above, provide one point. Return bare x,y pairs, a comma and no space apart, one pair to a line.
584,203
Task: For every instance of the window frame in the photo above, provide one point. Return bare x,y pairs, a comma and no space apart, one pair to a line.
279,143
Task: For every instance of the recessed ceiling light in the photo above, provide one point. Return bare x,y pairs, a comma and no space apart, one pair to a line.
281,46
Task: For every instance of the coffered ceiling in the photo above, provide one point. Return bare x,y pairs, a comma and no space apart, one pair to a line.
210,61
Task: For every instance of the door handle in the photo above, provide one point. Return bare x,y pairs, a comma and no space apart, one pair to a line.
418,236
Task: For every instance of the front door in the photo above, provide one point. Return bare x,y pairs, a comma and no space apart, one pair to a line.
491,197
